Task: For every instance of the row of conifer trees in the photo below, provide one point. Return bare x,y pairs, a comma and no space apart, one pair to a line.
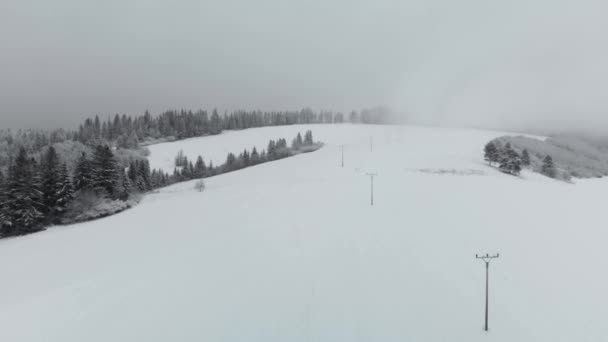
276,149
511,162
36,193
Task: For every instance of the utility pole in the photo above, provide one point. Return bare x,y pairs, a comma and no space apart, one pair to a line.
371,144
372,175
342,149
487,258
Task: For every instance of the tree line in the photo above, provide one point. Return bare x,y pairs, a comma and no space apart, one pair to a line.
127,132
186,169
511,162
38,192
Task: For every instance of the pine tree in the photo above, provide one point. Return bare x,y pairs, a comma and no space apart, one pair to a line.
230,161
123,188
255,157
36,184
514,163
200,170
263,157
66,192
297,142
51,182
216,124
491,153
4,214
186,174
22,198
132,141
83,175
177,175
525,158
211,169
181,159
308,138
144,171
246,158
132,172
136,177
548,168
105,175
510,162
271,150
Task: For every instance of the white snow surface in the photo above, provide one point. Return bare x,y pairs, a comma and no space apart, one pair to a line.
292,250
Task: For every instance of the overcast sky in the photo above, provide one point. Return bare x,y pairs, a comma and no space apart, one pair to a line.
517,63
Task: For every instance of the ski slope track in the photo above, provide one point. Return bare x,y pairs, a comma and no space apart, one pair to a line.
292,250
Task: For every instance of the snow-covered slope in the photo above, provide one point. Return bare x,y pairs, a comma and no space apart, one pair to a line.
292,251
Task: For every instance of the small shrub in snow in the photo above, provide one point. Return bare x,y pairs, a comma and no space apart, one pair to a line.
199,185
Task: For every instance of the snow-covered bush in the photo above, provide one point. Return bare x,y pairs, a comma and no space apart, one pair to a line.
199,185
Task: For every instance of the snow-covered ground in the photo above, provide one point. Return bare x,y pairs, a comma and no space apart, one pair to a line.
292,250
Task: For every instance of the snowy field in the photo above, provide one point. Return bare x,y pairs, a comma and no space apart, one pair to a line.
292,251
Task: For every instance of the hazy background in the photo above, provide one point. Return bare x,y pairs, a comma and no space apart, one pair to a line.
519,64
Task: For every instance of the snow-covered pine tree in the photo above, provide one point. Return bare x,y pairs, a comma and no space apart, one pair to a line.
123,188
66,192
181,159
132,172
491,153
216,123
210,169
525,158
186,172
255,157
271,150
36,184
503,153
230,161
144,171
514,162
510,162
132,140
297,142
137,178
22,197
263,156
548,168
246,158
308,138
200,169
50,182
177,175
4,217
191,167
83,174
154,179
105,171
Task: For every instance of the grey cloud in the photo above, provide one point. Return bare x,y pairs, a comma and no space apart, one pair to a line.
516,64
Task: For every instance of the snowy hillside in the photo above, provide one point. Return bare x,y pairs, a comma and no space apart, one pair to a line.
292,251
